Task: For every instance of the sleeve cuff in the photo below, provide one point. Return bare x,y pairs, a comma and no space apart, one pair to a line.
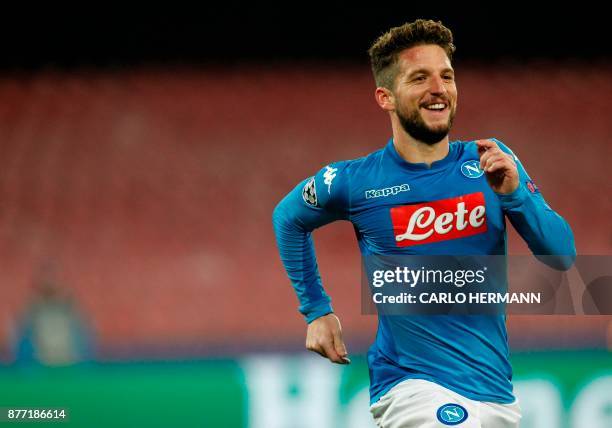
318,311
514,199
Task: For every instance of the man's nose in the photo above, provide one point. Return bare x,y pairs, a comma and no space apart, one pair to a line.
437,85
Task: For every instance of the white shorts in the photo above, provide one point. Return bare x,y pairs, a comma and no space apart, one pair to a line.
417,403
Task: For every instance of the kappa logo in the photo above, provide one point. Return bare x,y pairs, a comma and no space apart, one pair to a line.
329,175
452,414
387,191
440,220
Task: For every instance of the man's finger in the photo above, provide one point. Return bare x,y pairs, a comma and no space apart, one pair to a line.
496,166
340,347
330,352
490,151
486,165
486,144
488,156
319,351
483,159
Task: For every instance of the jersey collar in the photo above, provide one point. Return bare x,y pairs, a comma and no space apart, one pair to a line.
439,164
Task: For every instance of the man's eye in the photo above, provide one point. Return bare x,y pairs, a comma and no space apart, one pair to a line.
419,78
448,77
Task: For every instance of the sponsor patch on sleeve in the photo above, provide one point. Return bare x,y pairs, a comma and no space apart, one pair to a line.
532,186
309,193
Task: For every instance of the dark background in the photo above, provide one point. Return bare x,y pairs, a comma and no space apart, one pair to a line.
107,37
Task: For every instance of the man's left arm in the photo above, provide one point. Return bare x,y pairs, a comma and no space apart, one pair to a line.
545,231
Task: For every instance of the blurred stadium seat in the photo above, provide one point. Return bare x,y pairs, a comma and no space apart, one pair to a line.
151,192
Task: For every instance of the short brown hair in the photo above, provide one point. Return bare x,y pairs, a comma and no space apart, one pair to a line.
384,52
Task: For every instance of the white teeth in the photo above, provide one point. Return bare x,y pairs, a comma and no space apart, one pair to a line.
435,106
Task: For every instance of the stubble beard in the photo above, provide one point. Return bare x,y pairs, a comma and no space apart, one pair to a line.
416,127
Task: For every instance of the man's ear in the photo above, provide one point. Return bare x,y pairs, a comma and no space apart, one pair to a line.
385,98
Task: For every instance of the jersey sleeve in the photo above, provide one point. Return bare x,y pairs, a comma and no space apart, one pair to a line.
314,202
546,232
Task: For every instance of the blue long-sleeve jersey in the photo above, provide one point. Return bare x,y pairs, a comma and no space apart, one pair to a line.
386,199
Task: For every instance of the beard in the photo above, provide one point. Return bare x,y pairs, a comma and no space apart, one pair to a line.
416,127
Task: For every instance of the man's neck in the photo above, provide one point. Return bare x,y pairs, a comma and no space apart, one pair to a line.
415,151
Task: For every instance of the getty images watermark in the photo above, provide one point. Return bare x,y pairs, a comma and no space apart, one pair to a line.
486,285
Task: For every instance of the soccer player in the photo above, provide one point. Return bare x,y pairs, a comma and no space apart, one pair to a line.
425,371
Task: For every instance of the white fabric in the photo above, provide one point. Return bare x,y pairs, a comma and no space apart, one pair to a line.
414,403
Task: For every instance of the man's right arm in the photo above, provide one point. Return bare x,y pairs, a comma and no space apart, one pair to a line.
313,203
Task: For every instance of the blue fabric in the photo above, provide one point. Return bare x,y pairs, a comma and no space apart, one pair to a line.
467,354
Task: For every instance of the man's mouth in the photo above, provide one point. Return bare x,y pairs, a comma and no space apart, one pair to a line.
437,107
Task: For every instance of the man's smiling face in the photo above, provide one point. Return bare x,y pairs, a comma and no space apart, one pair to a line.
425,93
